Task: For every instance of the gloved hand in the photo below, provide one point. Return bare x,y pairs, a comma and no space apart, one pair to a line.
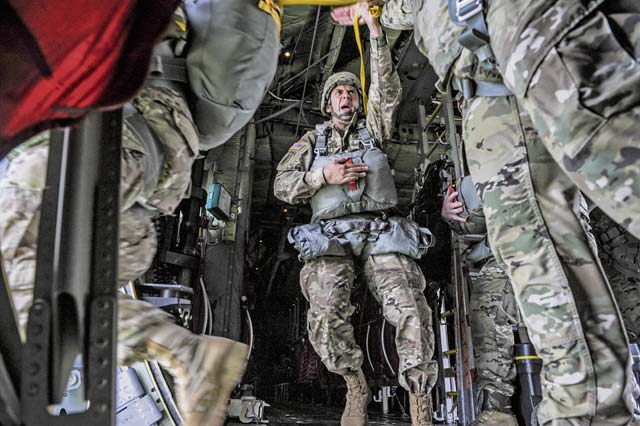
451,207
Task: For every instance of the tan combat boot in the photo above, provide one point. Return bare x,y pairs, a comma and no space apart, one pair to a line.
355,410
205,370
495,418
496,410
421,410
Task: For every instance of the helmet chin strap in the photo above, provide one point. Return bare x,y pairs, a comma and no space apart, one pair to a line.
344,117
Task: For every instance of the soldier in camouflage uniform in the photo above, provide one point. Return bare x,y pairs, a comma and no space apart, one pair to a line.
155,176
493,312
348,240
561,290
575,68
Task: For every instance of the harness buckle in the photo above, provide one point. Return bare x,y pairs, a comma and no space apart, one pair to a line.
466,9
319,152
365,138
369,144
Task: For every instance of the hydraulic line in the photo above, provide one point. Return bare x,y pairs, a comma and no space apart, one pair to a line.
384,349
250,325
367,344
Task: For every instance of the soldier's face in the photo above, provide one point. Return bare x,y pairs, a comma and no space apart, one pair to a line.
344,103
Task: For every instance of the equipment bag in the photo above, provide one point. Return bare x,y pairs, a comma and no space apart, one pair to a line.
231,61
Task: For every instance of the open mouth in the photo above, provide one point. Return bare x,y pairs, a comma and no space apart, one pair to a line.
345,108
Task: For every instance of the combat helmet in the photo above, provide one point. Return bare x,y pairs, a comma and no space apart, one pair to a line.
337,79
475,222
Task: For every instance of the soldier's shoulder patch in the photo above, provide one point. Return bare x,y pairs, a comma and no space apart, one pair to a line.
296,146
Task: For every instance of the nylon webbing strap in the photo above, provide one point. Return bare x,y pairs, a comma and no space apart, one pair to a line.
366,140
470,14
471,88
168,68
274,9
322,131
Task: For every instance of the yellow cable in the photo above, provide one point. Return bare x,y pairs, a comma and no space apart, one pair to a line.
518,358
376,11
275,9
356,30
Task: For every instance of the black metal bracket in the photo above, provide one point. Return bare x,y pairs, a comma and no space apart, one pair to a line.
74,308
10,348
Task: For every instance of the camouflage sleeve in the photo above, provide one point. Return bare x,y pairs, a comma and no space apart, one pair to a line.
385,91
397,15
294,183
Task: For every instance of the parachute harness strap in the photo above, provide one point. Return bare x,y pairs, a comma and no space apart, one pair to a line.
273,8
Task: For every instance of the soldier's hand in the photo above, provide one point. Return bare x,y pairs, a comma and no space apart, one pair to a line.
451,207
338,172
345,15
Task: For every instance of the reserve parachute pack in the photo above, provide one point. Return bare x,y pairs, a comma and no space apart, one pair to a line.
361,236
231,60
375,192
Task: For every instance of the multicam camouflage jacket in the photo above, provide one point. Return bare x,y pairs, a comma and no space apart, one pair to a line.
294,183
436,36
522,32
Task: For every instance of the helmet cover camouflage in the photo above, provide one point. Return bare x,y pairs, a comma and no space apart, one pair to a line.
337,79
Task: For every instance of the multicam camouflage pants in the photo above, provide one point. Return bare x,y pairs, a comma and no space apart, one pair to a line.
398,285
576,70
563,295
21,194
493,312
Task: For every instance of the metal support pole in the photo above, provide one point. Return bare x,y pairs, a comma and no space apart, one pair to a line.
10,348
190,209
446,378
464,347
74,308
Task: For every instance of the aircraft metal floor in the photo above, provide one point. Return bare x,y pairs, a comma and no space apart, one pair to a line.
310,415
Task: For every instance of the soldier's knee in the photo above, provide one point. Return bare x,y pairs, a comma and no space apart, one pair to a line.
137,243
28,169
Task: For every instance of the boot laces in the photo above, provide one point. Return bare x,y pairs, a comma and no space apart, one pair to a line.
423,403
486,416
355,405
356,396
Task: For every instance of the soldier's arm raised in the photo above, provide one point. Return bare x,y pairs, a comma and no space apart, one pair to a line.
385,90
